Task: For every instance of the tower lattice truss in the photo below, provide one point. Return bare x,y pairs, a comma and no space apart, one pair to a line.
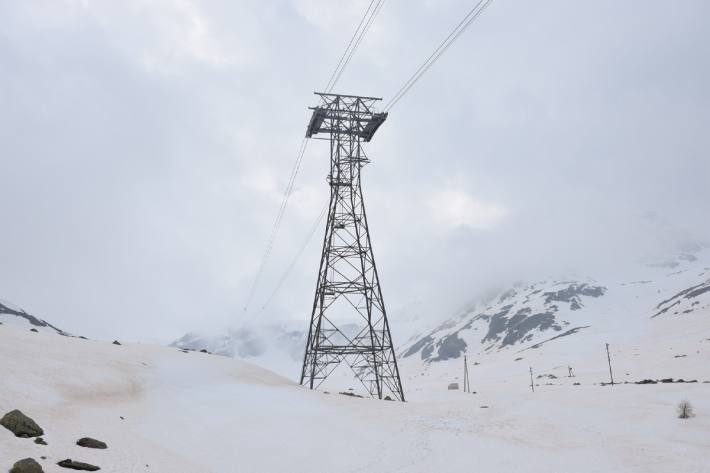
349,321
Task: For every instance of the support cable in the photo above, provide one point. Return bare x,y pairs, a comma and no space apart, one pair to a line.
330,85
470,17
367,19
295,259
277,223
363,32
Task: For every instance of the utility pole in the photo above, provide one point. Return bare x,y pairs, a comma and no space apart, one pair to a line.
466,382
608,357
532,383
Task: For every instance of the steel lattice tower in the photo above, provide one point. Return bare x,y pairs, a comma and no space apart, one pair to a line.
348,286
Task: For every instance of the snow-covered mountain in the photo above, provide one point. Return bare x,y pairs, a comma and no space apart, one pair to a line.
11,314
529,316
518,316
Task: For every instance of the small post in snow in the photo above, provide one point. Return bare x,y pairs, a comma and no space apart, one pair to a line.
532,383
608,357
466,382
570,374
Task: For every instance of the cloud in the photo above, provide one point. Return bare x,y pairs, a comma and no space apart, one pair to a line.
457,208
145,147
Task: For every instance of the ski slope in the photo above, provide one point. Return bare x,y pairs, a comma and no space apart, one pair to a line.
195,412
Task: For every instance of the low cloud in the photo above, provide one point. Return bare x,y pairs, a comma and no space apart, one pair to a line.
455,208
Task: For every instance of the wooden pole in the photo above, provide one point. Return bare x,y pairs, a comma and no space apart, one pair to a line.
466,383
532,383
608,357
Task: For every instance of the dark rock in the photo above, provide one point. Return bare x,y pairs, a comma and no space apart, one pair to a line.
21,425
88,442
572,294
646,381
450,347
116,342
667,380
347,393
203,351
74,465
28,465
418,346
518,327
484,407
575,384
34,330
40,441
387,398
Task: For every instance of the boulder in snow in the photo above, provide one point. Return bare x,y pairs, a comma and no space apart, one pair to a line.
74,465
21,425
27,465
88,442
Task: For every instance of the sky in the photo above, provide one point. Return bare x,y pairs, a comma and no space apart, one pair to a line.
145,147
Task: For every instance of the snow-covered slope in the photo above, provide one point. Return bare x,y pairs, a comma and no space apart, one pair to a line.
11,314
160,409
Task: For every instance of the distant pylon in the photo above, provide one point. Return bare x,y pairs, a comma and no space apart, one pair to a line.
348,286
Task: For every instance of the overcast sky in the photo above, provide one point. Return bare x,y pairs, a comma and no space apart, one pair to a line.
145,147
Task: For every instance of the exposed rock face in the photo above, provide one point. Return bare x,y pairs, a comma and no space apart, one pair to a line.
116,342
88,442
6,308
450,347
21,425
572,294
28,465
74,465
40,441
686,301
